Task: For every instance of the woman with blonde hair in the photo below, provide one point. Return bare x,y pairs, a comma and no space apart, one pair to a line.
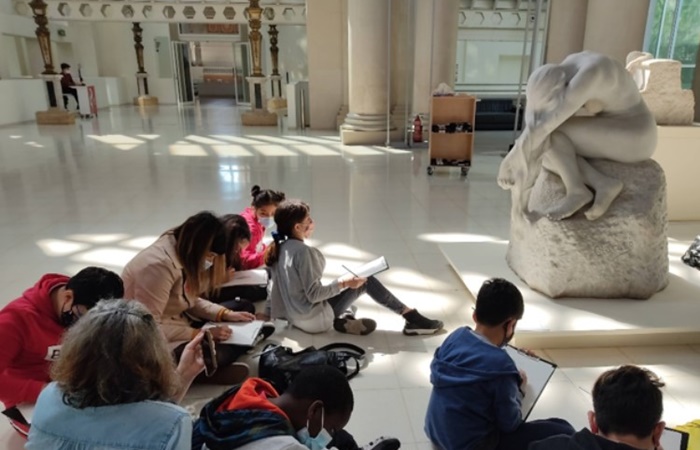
115,385
170,276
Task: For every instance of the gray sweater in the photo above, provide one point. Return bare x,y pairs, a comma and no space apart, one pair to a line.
296,292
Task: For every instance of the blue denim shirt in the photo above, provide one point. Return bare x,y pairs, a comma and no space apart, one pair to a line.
148,425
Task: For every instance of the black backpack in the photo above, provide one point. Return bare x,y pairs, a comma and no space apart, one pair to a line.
280,365
692,255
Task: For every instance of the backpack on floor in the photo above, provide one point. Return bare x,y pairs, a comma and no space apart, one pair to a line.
692,255
280,365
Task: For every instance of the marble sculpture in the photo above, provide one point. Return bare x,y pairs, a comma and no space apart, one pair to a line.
589,205
586,107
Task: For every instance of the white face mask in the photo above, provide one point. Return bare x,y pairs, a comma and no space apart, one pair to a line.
207,264
320,441
267,222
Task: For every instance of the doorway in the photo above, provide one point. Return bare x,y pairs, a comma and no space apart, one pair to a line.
184,88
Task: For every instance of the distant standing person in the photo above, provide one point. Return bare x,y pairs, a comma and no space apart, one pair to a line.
68,85
260,216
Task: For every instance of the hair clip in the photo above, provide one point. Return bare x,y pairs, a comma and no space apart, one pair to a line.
278,237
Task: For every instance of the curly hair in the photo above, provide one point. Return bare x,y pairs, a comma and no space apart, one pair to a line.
115,354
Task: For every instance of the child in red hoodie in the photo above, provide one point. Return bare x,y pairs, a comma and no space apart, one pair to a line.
32,325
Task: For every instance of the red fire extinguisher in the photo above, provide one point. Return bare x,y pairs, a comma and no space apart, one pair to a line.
417,130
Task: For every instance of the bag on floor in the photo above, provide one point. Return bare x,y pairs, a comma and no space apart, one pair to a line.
692,255
280,365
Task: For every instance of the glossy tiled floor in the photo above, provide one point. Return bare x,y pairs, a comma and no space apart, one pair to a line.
98,192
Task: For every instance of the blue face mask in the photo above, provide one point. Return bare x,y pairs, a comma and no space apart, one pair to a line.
267,222
319,442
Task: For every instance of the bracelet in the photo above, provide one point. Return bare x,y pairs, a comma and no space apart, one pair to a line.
220,314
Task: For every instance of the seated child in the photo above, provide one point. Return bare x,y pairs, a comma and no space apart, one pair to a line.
31,327
476,398
260,216
627,408
297,294
310,414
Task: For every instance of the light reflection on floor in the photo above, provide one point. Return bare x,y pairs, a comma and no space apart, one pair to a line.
98,192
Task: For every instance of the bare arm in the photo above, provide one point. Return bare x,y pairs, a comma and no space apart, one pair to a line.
582,88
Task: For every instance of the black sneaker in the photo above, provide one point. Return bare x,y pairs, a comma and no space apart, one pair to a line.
417,324
350,325
383,443
266,331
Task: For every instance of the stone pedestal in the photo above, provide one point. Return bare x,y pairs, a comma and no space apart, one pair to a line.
56,114
144,99
624,254
276,85
258,114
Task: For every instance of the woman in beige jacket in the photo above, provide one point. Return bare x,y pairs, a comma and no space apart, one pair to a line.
169,276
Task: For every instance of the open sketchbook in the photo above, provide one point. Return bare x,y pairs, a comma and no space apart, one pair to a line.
674,439
371,268
538,371
255,277
242,333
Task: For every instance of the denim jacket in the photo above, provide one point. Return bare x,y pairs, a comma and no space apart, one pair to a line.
148,425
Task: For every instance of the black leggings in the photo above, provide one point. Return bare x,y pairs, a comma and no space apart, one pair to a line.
226,354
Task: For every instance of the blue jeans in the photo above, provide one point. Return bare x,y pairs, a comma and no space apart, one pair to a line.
375,289
536,430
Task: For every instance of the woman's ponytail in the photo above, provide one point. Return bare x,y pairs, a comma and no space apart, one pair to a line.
288,214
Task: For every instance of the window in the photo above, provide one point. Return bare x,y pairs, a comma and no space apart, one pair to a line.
674,33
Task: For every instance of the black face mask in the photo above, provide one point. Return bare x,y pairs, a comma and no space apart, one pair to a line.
68,318
506,338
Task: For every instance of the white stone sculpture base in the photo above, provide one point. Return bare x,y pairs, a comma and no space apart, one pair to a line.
668,318
624,254
678,153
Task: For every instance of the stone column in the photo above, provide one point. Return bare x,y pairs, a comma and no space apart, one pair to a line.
615,31
368,65
56,114
401,61
567,28
325,50
143,99
435,50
